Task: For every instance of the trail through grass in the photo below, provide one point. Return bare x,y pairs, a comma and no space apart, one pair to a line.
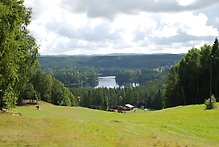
76,126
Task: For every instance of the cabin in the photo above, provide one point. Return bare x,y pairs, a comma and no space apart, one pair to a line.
123,109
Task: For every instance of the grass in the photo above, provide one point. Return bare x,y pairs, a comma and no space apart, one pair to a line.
76,126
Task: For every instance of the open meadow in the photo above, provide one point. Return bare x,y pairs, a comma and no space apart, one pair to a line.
76,126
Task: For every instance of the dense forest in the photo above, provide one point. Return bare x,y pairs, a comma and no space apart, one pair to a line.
126,61
195,78
80,74
83,71
148,95
191,81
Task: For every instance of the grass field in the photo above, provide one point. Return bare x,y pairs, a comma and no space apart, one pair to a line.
75,126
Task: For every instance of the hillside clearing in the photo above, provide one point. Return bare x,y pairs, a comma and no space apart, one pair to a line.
76,126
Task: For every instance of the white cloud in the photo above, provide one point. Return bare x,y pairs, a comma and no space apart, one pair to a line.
125,27
190,23
165,32
217,20
111,8
185,2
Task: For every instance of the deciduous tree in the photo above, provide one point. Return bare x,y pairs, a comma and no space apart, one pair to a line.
18,50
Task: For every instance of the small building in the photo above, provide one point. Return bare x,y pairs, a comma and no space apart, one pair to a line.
129,106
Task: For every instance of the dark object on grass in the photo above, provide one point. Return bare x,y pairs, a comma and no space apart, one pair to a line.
38,107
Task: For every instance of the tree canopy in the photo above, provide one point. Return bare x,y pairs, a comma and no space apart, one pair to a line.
18,50
189,81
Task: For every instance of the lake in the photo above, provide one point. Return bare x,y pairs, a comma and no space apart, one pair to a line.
110,82
107,82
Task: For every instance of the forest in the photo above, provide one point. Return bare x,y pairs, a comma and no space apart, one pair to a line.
81,77
195,78
165,80
180,80
162,84
83,71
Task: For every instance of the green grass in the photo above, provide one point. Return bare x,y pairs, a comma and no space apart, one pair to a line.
71,126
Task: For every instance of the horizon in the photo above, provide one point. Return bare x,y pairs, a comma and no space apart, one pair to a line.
115,54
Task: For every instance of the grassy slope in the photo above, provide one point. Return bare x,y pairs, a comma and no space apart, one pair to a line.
67,126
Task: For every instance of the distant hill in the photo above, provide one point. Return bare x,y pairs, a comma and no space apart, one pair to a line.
110,61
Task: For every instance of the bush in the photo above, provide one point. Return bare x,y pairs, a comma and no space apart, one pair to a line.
212,104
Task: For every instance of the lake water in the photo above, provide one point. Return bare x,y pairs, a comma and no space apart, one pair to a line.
110,82
107,82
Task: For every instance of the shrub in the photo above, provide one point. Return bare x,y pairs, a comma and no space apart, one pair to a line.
212,104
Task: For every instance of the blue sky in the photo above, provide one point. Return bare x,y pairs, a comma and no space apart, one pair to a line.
75,27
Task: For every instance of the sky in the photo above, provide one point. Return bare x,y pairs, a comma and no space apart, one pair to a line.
75,27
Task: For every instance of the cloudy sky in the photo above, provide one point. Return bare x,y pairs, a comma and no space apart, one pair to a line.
122,26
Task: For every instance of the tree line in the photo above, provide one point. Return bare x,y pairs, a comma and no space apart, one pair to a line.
83,71
88,77
195,78
20,74
45,87
119,61
148,95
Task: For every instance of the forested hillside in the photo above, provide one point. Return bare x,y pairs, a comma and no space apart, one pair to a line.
192,80
83,71
110,61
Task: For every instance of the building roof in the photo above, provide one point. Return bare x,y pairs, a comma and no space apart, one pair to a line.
129,106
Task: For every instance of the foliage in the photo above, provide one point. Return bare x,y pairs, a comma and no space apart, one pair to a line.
173,94
51,90
189,81
18,51
83,71
109,61
20,75
210,103
149,95
77,78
